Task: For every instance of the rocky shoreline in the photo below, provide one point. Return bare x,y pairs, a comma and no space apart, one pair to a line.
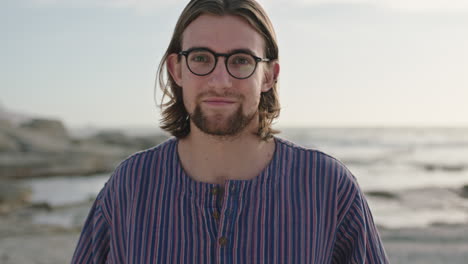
38,148
44,148
41,147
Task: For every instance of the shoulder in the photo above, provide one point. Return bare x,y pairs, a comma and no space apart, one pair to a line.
315,158
317,165
327,171
149,155
142,164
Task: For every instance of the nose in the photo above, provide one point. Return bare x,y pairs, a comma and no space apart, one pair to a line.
220,78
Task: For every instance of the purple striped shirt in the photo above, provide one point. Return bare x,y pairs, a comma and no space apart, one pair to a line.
304,207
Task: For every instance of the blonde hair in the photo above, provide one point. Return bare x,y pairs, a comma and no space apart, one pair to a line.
175,118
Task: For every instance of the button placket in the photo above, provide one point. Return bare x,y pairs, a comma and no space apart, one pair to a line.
223,241
229,211
232,205
227,224
216,215
215,191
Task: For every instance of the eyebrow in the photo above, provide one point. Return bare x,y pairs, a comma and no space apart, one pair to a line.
243,50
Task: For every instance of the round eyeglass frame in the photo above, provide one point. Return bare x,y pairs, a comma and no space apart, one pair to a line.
185,53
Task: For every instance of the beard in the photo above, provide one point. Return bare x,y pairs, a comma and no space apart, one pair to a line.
218,124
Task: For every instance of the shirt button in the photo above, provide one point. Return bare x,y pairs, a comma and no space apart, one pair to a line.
233,189
223,241
215,191
216,215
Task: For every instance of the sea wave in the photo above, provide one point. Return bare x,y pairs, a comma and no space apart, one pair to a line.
419,207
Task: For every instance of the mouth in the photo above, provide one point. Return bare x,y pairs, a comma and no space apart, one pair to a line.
218,101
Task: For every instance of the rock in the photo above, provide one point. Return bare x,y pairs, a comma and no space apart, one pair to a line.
41,136
119,142
51,128
60,164
464,191
5,124
41,206
145,142
444,167
40,143
113,138
382,194
13,195
7,143
13,192
43,147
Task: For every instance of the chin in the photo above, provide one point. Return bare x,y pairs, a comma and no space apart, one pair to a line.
219,125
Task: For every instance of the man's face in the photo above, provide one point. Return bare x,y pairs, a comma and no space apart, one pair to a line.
219,104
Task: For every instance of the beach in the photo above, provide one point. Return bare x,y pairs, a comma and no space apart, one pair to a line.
436,244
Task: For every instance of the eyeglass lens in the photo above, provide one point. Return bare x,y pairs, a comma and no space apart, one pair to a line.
239,65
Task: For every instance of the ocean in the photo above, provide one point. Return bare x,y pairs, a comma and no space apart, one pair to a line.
412,177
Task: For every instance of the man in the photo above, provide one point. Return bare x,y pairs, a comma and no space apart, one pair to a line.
225,189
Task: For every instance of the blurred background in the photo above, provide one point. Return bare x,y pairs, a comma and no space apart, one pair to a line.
381,85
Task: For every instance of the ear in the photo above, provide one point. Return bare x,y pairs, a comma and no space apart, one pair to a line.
174,67
271,76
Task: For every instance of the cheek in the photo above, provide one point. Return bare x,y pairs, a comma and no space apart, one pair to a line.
190,87
189,100
252,99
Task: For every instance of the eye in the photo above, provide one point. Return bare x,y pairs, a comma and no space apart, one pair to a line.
241,59
200,57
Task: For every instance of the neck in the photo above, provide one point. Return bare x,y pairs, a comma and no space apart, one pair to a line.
215,159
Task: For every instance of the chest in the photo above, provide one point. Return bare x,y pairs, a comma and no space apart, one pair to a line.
269,223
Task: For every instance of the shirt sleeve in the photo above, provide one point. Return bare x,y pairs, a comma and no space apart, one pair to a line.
93,245
357,239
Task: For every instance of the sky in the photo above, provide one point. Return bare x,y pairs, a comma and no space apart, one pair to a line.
343,62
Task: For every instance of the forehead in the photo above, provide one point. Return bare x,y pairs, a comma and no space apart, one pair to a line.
222,34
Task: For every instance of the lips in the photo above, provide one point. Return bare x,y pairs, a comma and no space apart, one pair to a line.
218,101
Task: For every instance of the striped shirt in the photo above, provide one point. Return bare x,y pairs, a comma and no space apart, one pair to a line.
304,207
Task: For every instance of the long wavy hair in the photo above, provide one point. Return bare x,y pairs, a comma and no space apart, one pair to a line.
175,118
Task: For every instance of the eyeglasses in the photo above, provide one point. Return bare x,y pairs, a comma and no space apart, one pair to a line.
239,64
